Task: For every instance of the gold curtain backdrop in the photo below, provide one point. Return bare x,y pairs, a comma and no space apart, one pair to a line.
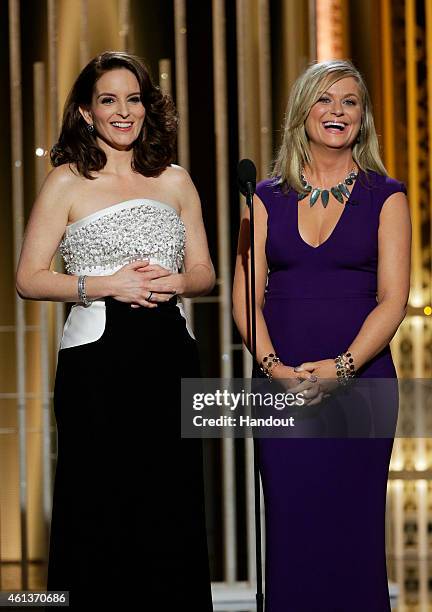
229,66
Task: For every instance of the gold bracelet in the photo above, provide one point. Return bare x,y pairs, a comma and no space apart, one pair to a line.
345,368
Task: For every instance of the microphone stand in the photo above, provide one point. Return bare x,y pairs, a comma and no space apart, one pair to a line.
257,490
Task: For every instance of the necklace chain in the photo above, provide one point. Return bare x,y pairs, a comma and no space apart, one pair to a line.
338,191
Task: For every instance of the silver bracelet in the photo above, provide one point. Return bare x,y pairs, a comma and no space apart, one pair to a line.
269,361
82,292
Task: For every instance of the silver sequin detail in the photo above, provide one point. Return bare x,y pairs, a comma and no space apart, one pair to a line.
118,237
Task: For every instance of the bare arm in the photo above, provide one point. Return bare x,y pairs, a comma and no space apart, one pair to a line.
199,275
242,305
44,231
394,257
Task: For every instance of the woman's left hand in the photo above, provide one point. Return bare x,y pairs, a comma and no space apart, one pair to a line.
325,371
175,280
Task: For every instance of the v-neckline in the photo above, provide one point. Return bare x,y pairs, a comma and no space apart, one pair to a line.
315,248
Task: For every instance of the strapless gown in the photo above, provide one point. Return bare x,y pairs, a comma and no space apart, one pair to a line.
325,497
128,522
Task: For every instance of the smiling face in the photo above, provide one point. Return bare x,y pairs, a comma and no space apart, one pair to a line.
116,111
335,119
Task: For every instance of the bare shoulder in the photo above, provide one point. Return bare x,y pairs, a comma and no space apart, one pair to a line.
59,179
398,198
66,174
54,200
58,188
176,172
395,208
395,220
179,182
178,176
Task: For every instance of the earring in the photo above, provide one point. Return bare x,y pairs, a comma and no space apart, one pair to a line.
359,135
90,127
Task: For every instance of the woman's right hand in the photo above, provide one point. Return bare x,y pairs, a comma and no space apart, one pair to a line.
130,286
290,379
286,373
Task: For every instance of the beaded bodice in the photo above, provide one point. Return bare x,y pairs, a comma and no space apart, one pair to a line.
113,236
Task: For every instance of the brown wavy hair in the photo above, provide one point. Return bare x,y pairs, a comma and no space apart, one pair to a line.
155,147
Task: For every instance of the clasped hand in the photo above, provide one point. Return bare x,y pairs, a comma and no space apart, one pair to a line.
318,383
143,284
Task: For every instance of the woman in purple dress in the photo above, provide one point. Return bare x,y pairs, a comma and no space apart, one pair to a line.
332,243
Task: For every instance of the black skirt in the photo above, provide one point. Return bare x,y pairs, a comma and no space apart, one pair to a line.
128,522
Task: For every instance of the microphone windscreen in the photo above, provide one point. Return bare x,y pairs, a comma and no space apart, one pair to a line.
246,174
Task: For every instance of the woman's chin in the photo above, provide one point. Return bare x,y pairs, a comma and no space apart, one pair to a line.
118,145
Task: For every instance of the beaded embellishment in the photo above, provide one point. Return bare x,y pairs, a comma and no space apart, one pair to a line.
123,234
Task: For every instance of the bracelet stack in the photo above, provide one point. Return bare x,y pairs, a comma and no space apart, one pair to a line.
82,292
345,368
269,361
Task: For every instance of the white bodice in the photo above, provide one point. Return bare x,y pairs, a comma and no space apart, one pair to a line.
113,236
103,242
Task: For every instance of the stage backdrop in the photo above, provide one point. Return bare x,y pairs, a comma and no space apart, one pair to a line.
229,66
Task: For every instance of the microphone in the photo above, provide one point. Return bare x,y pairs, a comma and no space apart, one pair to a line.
246,177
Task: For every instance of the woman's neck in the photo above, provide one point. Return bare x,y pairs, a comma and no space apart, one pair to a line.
329,167
118,161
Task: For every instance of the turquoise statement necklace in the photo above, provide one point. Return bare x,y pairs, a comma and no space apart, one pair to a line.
339,191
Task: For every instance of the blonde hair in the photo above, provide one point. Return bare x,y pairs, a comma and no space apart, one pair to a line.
294,151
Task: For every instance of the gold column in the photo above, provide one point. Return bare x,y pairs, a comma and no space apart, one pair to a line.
41,461
125,32
18,227
293,36
57,309
224,276
165,74
428,9
84,30
182,103
181,81
412,136
313,50
387,87
255,142
265,93
332,29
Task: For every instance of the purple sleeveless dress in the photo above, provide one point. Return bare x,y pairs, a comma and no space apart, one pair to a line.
325,497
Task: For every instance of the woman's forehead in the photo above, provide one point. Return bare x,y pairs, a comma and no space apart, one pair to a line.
343,84
118,78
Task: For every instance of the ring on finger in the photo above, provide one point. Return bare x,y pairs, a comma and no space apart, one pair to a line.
149,296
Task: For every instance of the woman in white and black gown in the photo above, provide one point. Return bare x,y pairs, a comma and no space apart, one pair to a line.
128,520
